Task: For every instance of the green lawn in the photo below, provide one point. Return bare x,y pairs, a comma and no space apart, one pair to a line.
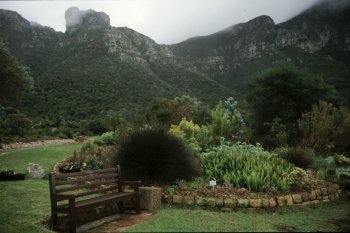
24,205
328,217
45,156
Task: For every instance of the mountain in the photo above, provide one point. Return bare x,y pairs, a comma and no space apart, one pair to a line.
318,40
94,68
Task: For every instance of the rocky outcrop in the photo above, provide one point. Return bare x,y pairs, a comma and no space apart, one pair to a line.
78,19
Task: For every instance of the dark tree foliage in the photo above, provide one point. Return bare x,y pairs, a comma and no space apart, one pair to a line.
14,77
154,156
285,92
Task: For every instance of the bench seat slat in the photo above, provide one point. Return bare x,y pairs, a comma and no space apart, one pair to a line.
96,201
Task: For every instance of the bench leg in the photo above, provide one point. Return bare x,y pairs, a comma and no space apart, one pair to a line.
120,206
54,220
72,216
137,200
72,222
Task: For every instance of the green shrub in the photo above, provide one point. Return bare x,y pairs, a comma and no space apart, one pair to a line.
88,158
329,174
326,128
242,169
342,161
300,157
300,178
154,156
105,139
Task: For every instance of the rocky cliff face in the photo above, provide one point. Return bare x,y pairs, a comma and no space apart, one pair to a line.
317,39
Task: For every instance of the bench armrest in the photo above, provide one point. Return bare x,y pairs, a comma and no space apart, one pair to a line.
62,197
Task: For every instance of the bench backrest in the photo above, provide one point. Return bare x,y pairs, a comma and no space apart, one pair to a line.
84,183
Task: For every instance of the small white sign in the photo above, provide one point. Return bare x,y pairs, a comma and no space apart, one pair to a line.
212,182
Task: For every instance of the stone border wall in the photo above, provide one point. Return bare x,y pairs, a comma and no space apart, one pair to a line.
304,198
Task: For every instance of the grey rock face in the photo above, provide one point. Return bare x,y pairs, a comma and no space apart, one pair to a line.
88,19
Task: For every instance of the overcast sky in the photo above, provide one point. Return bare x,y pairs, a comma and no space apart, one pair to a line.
165,21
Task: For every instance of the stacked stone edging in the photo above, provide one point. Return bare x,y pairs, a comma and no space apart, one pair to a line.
304,198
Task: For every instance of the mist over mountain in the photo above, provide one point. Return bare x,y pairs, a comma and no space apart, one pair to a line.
94,68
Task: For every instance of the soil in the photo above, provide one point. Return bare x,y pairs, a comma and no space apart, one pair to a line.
229,191
120,225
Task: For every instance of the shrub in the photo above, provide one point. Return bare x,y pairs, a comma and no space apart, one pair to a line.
241,169
329,174
342,161
88,158
300,178
300,157
154,156
189,132
326,128
105,139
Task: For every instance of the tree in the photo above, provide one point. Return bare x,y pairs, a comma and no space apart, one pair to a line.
14,77
285,92
19,124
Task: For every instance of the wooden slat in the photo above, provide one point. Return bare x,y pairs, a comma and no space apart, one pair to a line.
73,174
96,191
76,187
87,178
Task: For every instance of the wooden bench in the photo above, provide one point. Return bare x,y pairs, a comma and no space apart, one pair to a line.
90,189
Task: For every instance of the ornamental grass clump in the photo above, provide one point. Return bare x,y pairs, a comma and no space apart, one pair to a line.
242,169
156,157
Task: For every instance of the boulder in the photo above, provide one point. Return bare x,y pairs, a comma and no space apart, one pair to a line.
35,171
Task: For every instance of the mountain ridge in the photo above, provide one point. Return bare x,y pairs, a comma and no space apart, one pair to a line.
99,68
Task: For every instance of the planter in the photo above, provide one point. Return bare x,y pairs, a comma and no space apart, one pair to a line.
12,177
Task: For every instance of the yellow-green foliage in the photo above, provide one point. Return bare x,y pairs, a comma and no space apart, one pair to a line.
188,131
242,169
299,178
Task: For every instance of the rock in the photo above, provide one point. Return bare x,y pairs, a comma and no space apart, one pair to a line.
304,197
265,203
272,202
297,199
281,201
150,198
243,202
324,191
212,202
289,200
177,199
35,171
255,203
201,201
188,200
230,202
312,195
